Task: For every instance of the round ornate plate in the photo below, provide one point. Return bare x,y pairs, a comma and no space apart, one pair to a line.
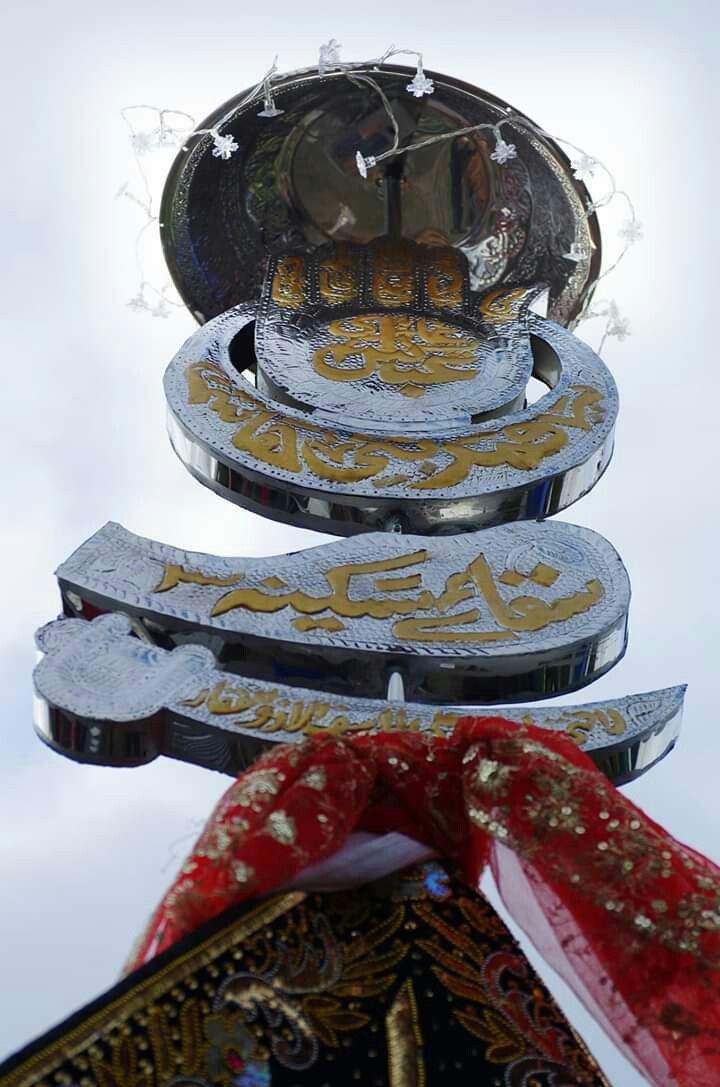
294,185
321,469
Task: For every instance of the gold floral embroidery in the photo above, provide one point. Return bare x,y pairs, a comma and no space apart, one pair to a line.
504,1043
315,779
122,1069
629,856
155,1024
242,873
405,1042
298,981
252,787
281,827
511,1023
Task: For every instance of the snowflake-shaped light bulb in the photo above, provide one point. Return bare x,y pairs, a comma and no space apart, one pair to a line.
420,84
346,217
364,163
617,326
620,329
224,147
142,142
160,309
171,137
631,231
138,303
503,151
583,167
576,252
270,109
329,56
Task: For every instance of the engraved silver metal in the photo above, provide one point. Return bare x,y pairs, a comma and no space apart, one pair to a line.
276,460
422,328
515,612
294,185
104,697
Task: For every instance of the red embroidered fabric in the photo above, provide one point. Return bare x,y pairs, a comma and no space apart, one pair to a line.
628,915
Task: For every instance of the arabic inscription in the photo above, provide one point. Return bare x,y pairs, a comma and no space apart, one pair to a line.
419,614
294,445
272,712
406,352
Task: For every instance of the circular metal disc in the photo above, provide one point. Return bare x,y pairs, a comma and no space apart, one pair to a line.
323,473
293,185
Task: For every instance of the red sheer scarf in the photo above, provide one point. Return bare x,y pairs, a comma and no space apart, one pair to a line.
625,913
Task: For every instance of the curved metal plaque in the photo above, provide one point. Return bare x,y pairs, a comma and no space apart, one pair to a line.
515,612
279,461
294,184
108,698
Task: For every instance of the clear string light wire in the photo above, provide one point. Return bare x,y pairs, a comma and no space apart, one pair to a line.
166,133
584,168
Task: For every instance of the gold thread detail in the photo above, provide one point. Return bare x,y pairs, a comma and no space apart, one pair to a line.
404,1040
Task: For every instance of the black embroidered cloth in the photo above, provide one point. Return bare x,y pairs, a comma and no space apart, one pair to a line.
411,982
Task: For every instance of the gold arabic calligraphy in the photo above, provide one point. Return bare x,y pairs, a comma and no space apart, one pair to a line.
582,722
295,445
273,712
403,598
406,352
339,277
391,273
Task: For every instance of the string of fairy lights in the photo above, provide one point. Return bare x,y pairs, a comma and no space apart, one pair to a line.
173,129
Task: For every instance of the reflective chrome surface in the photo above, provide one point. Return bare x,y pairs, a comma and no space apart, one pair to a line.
294,185
275,460
104,697
515,612
389,335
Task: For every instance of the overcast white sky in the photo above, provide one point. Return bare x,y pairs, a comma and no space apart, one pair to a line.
86,852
